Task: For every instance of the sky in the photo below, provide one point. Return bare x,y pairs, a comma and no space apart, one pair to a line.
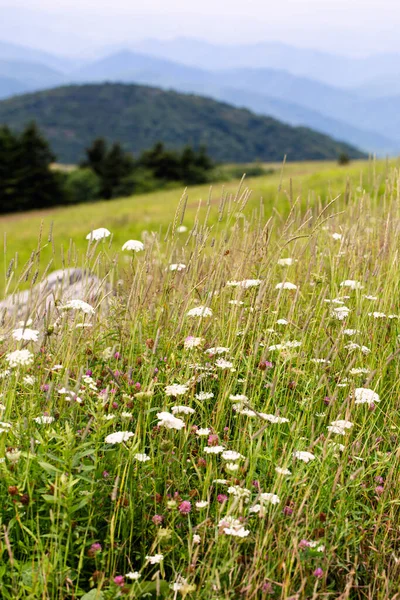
349,27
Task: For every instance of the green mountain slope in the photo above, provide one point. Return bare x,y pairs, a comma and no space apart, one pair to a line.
138,116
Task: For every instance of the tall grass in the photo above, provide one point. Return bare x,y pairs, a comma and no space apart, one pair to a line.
81,512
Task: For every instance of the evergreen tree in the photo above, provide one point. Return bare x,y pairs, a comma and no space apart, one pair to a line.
112,166
8,181
26,180
165,164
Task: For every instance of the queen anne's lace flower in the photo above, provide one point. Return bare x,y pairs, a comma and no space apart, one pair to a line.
166,419
285,262
142,457
133,245
231,455
282,471
200,311
78,305
352,284
223,364
233,527
19,358
304,456
286,285
98,234
192,342
365,396
176,389
214,449
340,426
203,431
156,559
31,335
217,350
204,396
44,420
268,497
182,410
177,267
118,437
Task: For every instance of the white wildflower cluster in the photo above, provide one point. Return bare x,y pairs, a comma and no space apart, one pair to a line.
245,283
351,284
28,335
78,305
233,527
168,420
98,234
133,246
176,389
192,342
365,396
340,427
204,396
285,285
303,455
19,358
177,267
200,311
285,262
118,437
289,345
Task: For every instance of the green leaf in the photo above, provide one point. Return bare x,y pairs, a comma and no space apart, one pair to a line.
148,589
93,595
49,468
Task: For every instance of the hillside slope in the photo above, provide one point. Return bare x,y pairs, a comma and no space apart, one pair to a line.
278,94
139,116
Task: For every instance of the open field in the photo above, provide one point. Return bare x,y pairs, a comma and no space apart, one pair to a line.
225,429
128,218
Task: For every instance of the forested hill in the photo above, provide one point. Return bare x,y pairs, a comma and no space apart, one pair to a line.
138,116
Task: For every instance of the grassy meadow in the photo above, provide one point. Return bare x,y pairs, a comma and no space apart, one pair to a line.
33,240
225,424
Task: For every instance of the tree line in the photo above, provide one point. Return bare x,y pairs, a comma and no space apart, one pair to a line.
28,181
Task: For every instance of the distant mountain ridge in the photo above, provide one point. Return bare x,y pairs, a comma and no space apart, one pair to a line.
353,115
139,116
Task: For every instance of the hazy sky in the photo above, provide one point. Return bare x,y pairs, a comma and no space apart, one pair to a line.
355,27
